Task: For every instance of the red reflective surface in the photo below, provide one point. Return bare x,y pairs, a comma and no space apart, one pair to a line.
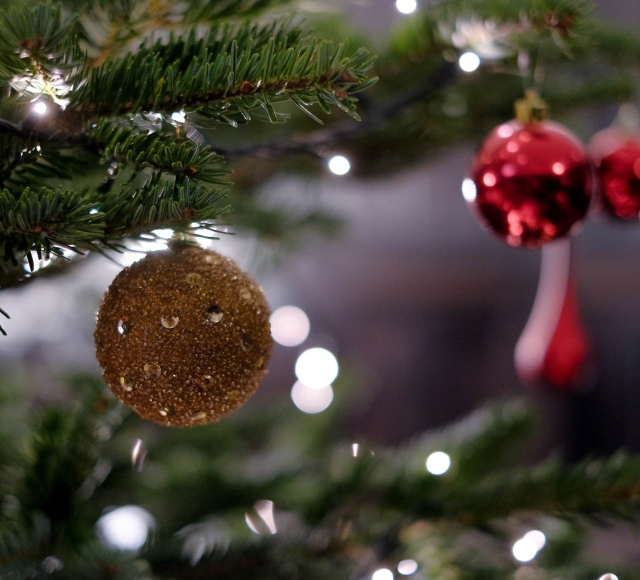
554,350
616,155
532,182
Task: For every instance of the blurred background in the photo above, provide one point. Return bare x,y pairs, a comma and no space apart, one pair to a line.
420,306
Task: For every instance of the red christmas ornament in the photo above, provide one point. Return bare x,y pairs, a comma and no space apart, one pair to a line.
554,350
531,180
616,154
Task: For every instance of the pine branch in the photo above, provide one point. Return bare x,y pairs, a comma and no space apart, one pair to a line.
158,204
226,75
44,221
108,27
37,52
124,142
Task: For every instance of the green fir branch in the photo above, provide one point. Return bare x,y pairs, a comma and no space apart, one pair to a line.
182,158
37,51
158,204
45,220
217,84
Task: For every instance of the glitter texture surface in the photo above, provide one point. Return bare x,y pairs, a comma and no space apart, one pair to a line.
196,371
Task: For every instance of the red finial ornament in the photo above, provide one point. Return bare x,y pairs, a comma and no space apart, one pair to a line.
554,350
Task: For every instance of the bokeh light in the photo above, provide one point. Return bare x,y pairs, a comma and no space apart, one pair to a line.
406,6
40,107
125,528
469,190
289,326
524,550
469,61
537,538
407,567
179,116
310,400
316,368
438,463
339,165
382,574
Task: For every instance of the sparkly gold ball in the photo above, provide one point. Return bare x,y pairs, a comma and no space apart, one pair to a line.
183,336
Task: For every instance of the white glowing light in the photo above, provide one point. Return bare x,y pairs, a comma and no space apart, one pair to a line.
382,574
537,538
524,550
309,400
179,116
289,326
469,61
407,567
316,368
164,233
469,190
92,211
250,524
339,165
125,528
608,577
264,507
438,463
406,6
40,107
355,449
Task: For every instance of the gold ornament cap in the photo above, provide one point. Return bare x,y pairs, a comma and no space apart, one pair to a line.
531,108
183,336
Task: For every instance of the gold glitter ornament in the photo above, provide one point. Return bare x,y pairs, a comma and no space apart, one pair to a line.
183,336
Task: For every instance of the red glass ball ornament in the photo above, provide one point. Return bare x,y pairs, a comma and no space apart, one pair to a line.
616,155
530,183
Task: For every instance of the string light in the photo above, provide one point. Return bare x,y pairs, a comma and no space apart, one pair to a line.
524,551
527,547
406,6
382,574
179,116
125,528
407,567
469,61
608,577
40,107
309,400
316,368
289,326
339,165
438,463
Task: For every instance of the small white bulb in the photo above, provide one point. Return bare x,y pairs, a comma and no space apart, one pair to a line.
438,463
469,189
339,165
179,117
524,550
316,368
407,567
125,528
469,61
382,574
537,538
406,6
40,107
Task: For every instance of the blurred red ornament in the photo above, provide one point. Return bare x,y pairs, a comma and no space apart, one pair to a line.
616,154
530,183
554,350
